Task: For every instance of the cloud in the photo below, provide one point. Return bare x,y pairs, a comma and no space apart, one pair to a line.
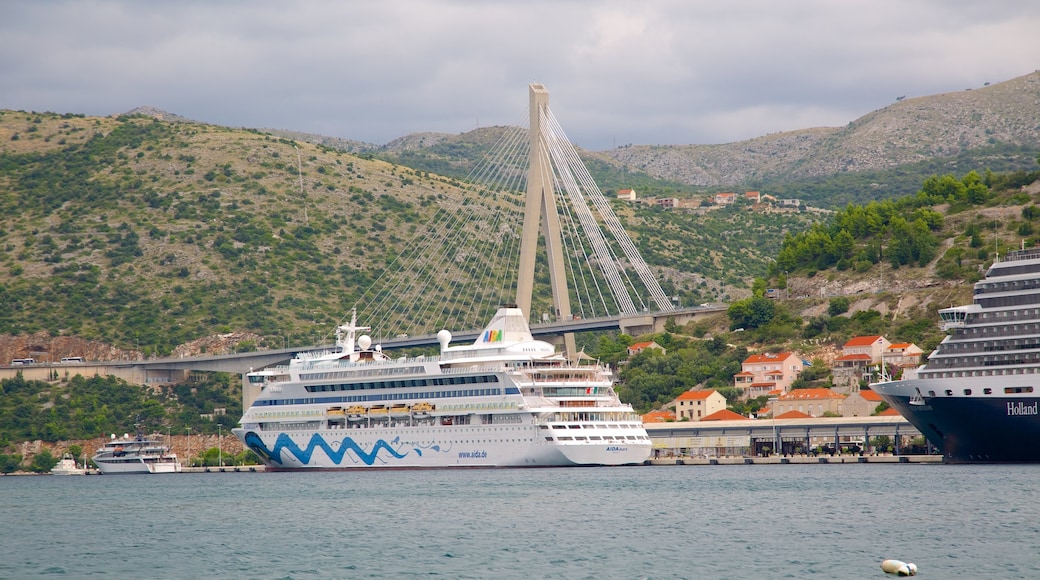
618,72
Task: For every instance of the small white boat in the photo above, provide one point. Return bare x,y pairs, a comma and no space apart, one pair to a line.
67,466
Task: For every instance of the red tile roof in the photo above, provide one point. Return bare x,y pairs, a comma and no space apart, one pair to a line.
768,357
900,345
889,412
724,415
804,394
854,357
659,417
870,396
695,395
794,415
863,341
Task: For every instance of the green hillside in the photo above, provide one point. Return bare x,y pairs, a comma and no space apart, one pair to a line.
147,234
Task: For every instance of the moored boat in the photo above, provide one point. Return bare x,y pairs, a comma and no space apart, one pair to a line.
506,400
138,454
67,466
978,396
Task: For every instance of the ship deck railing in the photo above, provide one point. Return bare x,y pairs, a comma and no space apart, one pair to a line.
1025,254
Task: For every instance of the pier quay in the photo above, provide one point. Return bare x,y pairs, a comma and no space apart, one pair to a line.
797,460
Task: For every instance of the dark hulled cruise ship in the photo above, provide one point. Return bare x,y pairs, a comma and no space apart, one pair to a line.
977,397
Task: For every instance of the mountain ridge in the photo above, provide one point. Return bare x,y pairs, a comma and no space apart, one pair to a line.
992,126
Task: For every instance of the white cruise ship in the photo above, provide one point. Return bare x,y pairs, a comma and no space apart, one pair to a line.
977,397
507,400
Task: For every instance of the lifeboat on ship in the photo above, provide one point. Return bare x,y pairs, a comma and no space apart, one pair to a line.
421,410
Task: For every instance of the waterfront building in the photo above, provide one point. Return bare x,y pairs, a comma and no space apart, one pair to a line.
697,405
762,373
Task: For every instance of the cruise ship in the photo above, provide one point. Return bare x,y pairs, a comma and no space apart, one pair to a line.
976,399
506,400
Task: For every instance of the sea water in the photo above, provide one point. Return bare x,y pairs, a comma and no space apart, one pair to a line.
751,521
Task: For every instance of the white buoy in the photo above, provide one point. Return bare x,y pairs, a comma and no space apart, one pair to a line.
899,568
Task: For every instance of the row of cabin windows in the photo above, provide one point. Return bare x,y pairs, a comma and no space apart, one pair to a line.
1026,313
1012,286
379,397
998,330
1006,270
983,373
431,382
988,391
989,346
1012,300
986,361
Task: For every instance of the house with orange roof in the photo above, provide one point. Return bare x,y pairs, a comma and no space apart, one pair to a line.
813,402
762,373
696,405
626,194
641,346
753,196
727,198
901,355
860,356
725,415
862,403
659,417
875,346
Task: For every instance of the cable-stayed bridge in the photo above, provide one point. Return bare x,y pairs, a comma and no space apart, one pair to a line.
533,229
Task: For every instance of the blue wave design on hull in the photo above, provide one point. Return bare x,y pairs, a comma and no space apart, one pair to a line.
285,443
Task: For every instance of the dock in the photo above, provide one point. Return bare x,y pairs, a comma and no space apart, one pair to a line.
798,460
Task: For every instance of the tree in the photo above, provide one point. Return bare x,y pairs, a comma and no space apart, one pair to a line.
976,191
838,305
10,463
43,462
750,313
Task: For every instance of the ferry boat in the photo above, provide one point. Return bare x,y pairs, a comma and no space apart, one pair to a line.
977,397
135,455
506,400
68,466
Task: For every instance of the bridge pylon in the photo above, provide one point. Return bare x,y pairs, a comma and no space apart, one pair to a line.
540,214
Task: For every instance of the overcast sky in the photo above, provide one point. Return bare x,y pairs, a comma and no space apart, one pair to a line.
618,72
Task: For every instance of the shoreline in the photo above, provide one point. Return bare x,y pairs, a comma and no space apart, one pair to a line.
657,462
798,460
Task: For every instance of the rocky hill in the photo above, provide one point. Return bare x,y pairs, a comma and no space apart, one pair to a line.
885,153
908,131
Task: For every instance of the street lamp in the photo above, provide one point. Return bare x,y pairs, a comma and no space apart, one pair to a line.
772,417
220,448
188,458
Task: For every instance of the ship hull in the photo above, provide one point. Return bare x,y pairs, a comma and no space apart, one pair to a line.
433,448
975,428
